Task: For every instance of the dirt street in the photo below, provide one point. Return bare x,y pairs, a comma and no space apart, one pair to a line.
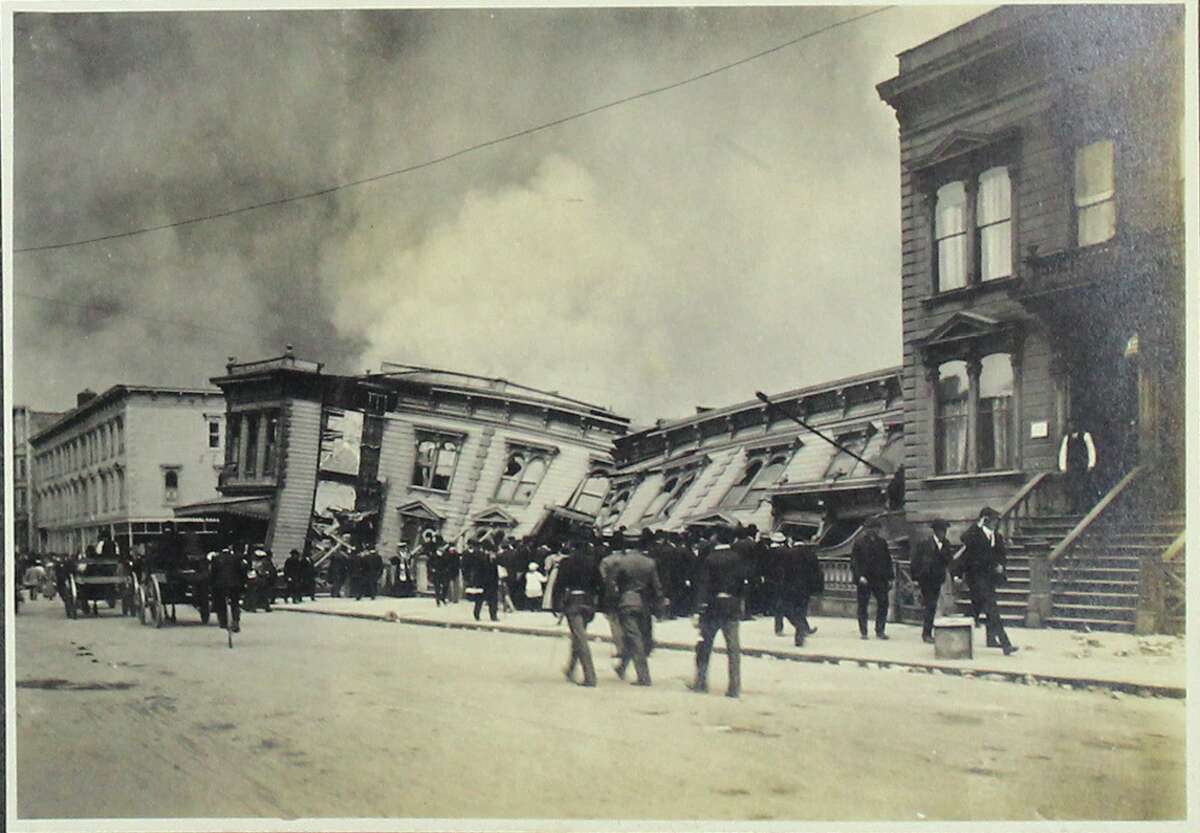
317,716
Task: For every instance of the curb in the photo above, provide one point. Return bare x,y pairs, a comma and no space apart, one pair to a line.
995,675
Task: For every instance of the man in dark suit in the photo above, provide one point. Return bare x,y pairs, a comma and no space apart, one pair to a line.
227,581
487,578
801,579
372,570
720,594
575,595
983,562
928,569
291,573
633,582
871,565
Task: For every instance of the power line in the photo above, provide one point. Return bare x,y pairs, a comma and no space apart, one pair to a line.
463,151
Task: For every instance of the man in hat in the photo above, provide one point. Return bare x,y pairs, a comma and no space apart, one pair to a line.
227,580
983,562
801,579
575,595
634,584
928,569
871,566
720,595
372,570
776,568
292,575
1077,461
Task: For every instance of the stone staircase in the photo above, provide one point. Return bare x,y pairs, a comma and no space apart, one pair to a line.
1097,585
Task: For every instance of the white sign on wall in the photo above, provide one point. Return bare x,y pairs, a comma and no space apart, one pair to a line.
1039,429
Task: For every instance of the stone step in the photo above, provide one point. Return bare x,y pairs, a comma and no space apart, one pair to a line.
1096,574
1107,601
1079,586
1103,562
1091,612
1090,624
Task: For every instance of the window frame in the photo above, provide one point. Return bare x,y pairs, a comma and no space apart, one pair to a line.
438,437
967,168
532,454
1079,144
762,457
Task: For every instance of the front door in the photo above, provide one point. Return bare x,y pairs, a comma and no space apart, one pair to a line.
1104,400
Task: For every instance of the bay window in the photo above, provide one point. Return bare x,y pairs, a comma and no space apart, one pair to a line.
974,413
524,468
437,457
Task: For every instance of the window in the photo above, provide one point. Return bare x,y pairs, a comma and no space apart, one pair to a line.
674,485
993,220
120,435
121,489
979,204
950,232
437,456
19,499
591,497
524,469
995,401
250,464
762,471
214,433
1095,192
271,441
233,441
20,468
844,463
950,421
170,485
614,505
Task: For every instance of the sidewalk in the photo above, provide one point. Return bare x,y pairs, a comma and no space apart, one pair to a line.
1154,665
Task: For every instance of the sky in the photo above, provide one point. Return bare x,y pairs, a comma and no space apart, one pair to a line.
685,249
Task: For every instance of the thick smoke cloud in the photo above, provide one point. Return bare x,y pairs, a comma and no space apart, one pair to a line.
684,249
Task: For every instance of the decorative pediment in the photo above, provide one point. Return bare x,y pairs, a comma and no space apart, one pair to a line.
959,144
493,516
712,519
965,334
420,510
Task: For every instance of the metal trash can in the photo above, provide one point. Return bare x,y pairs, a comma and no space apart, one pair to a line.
953,637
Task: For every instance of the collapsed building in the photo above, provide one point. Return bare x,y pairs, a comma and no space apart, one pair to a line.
457,454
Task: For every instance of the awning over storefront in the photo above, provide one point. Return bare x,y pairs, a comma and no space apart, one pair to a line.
256,507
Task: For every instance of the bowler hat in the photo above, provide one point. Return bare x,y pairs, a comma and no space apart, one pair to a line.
988,512
939,523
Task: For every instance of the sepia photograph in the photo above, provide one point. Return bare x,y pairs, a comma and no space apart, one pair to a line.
714,417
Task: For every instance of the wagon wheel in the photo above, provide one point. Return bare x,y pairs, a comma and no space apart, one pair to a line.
71,598
134,595
142,604
154,600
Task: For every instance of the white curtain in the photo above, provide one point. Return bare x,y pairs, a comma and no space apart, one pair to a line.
950,219
993,215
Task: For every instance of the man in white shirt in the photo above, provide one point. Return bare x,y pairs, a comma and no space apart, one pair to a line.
1077,460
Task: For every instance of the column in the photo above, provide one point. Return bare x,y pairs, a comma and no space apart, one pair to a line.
971,188
974,369
1017,417
931,381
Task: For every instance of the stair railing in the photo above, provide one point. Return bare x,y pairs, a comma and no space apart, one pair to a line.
1094,514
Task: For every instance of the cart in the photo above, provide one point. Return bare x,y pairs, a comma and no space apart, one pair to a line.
92,581
163,589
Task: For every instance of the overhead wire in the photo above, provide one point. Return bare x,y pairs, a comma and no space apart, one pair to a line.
462,151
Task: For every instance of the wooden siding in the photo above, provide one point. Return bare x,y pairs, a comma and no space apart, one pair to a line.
1140,88
294,499
481,462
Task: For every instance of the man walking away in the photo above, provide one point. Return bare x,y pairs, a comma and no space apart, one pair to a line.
928,569
487,578
339,569
308,577
635,585
720,590
983,560
292,575
228,581
871,565
802,579
575,596
608,601
372,570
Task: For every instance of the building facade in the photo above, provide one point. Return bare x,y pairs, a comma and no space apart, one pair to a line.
457,454
1042,238
26,423
752,463
122,461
